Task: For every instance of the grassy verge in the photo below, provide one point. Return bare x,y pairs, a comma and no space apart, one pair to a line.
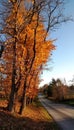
68,102
65,101
34,117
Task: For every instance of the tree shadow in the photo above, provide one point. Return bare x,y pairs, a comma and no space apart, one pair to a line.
10,121
13,121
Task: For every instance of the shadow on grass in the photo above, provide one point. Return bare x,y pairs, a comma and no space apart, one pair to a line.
15,122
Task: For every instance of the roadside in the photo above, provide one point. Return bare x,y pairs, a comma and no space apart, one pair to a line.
62,114
34,117
69,102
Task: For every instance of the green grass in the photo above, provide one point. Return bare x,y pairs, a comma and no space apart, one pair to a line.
68,102
36,102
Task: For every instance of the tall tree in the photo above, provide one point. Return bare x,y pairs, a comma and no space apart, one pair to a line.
24,30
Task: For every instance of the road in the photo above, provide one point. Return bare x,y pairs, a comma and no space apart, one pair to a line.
62,114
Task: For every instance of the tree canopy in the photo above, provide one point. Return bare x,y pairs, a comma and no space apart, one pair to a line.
25,26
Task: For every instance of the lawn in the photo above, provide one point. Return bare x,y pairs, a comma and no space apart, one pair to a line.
69,102
34,117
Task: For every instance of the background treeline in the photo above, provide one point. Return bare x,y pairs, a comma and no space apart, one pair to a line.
58,90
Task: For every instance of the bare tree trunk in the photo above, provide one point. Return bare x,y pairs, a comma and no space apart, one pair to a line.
23,102
11,99
12,93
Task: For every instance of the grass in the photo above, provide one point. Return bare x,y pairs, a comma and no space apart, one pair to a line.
34,117
65,101
69,102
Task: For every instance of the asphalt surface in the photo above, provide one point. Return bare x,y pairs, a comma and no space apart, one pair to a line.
62,114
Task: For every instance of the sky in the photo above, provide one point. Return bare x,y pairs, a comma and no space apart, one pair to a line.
62,62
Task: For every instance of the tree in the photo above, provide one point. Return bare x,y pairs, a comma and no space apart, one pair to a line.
25,34
57,89
49,91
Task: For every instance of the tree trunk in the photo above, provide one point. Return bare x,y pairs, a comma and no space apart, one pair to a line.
23,102
12,93
11,100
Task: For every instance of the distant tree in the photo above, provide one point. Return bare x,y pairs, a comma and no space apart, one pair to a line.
72,87
49,91
72,81
59,89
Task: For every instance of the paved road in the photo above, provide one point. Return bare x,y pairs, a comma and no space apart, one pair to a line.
62,114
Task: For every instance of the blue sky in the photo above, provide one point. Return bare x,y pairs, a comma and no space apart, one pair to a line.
63,57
